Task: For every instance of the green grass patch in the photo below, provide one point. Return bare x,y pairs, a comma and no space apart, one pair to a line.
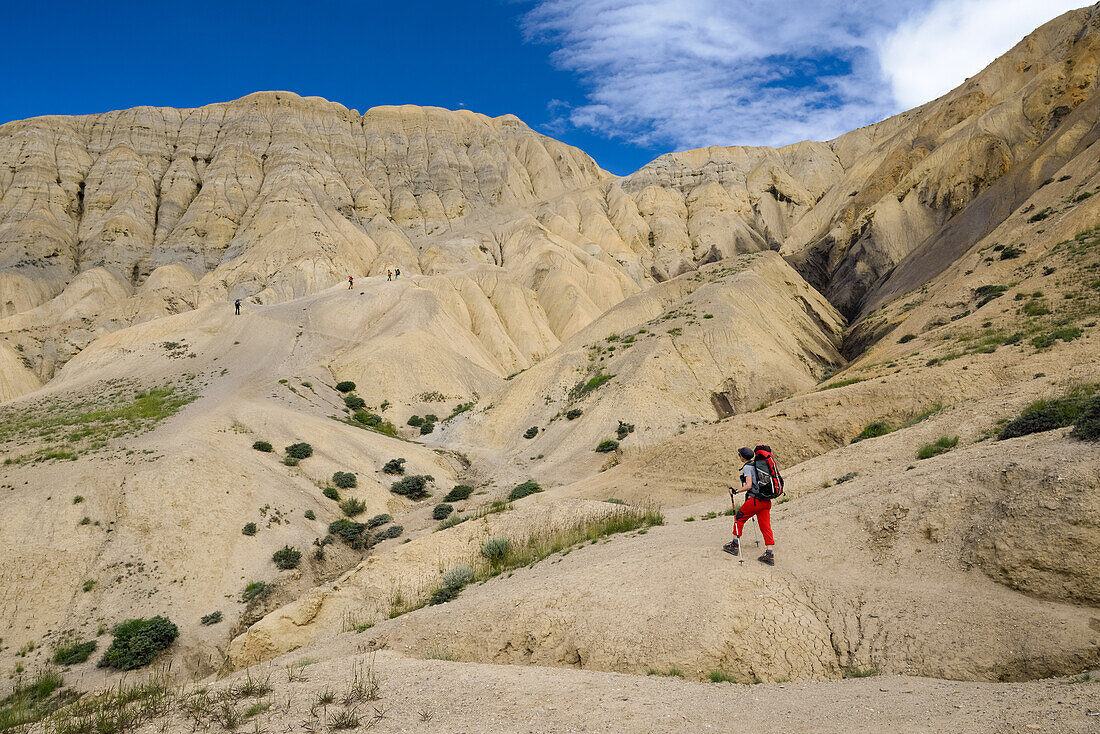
1046,415
75,653
718,676
524,489
584,387
873,430
31,702
842,383
941,445
137,642
1066,334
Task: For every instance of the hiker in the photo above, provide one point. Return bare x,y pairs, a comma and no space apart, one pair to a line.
389,275
351,282
397,273
761,482
237,307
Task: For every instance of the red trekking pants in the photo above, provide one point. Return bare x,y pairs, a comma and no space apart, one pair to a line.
762,509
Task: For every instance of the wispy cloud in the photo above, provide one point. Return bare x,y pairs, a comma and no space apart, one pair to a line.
689,73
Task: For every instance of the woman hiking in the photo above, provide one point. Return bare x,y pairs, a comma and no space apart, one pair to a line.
761,482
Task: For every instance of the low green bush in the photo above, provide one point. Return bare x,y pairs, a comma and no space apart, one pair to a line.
249,529
352,507
452,583
344,480
290,461
942,445
256,591
367,418
394,466
332,493
1087,425
415,421
299,451
905,339
531,432
137,642
1036,308
345,386
427,427
624,430
287,558
354,402
212,618
75,653
1066,334
522,490
263,446
873,430
351,532
440,511
1046,415
496,549
379,520
458,493
309,515
573,414
393,531
607,446
1011,252
413,486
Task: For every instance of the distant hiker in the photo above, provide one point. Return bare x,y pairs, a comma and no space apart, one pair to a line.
237,307
351,282
389,275
761,482
397,273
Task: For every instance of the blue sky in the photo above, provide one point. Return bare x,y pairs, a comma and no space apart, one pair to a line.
625,80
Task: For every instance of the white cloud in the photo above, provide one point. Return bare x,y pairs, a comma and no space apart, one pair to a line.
932,53
689,73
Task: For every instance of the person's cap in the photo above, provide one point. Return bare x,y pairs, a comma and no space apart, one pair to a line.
746,453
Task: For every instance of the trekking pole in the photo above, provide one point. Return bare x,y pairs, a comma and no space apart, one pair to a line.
759,533
733,499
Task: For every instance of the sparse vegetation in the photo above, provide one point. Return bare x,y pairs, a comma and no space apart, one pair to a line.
212,618
941,445
415,421
453,582
624,429
354,402
1011,252
256,591
1066,334
441,511
309,515
345,480
263,446
74,653
352,533
299,451
458,493
352,507
287,558
394,466
413,486
842,383
717,676
531,432
332,493
379,520
427,427
873,430
249,528
524,489
31,702
607,446
1046,415
584,387
573,414
137,642
345,386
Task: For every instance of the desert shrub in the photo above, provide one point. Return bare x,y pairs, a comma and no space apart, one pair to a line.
583,387
344,480
1036,308
1087,425
75,653
394,466
309,515
427,427
137,642
451,521
573,414
299,451
873,430
624,430
367,418
987,293
607,446
413,486
907,338
496,549
452,583
249,528
942,445
332,493
263,446
345,386
415,421
440,511
256,591
379,520
431,418
531,432
1011,252
352,507
287,558
349,531
290,461
1046,415
212,618
393,531
459,493
1066,334
522,490
78,499
354,402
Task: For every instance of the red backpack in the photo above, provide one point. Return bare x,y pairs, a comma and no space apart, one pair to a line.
769,482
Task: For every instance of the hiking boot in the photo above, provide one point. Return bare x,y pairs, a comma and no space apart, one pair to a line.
768,558
732,548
